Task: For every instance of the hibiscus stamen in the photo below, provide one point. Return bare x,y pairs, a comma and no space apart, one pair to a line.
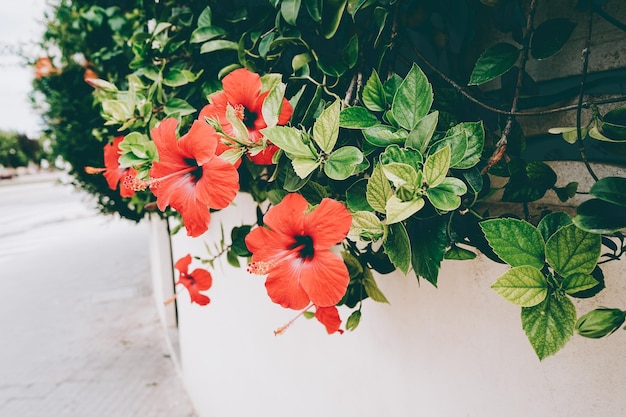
283,328
260,267
170,300
93,170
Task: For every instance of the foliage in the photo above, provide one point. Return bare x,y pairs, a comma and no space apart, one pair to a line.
17,150
409,147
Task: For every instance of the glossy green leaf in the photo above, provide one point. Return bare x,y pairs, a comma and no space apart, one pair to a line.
446,196
303,167
420,136
355,196
400,174
398,210
549,325
495,61
326,127
550,37
613,125
384,135
206,17
457,253
289,9
353,320
599,216
413,99
458,147
206,33
394,153
340,164
332,10
373,95
515,241
351,52
272,104
571,250
475,135
314,8
579,282
371,288
610,189
366,226
357,118
524,286
378,189
290,140
178,106
552,222
218,45
398,247
427,254
436,167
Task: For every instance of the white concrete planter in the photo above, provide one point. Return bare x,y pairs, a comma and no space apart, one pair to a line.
458,350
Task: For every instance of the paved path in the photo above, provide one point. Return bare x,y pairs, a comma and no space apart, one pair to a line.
79,330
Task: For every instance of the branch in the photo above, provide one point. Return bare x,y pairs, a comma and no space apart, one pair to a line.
502,143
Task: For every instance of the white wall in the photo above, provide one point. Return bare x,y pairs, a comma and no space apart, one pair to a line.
458,350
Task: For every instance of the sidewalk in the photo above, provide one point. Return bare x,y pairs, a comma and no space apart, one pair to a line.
80,332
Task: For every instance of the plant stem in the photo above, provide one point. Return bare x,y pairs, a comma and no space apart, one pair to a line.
583,78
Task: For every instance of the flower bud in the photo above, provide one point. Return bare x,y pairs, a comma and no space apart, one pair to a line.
600,322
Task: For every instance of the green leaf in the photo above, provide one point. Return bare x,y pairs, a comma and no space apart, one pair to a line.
516,242
205,17
206,33
457,253
332,10
289,10
398,247
290,140
355,196
423,131
357,118
378,189
340,164
366,226
326,127
351,52
495,61
304,166
579,282
427,254
400,174
232,259
524,286
371,288
475,134
446,196
550,37
571,250
552,222
178,105
613,125
610,189
458,147
314,8
384,135
218,45
394,153
413,99
272,104
373,95
436,167
549,325
599,216
398,210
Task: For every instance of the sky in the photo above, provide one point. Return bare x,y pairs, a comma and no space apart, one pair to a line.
21,27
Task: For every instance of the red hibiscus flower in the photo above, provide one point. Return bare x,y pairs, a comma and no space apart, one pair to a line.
196,281
113,173
294,250
44,68
189,176
329,317
242,91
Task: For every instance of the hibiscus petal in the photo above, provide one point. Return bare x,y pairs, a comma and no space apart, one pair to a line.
183,264
196,219
283,286
266,245
219,183
200,142
329,317
203,279
198,298
164,137
242,87
287,216
325,278
328,224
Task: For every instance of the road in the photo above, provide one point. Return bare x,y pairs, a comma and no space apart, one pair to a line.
80,332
